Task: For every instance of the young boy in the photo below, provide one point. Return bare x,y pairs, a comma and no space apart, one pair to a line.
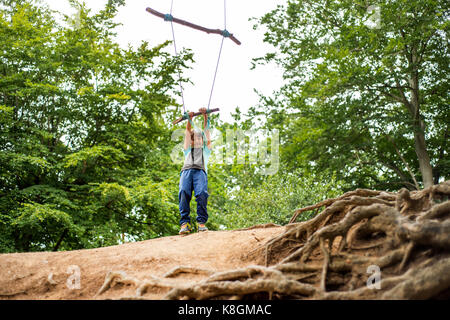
197,149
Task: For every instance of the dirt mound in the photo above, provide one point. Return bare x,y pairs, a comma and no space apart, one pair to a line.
53,275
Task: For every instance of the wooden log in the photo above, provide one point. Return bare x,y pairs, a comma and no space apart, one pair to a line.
194,26
195,115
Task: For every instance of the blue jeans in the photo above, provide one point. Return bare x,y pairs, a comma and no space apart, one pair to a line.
197,180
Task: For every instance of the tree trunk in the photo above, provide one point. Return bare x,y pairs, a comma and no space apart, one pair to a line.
419,125
424,158
58,244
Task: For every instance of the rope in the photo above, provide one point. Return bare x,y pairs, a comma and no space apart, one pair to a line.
225,14
225,34
169,17
215,74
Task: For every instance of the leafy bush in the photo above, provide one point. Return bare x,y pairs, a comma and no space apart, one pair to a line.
276,198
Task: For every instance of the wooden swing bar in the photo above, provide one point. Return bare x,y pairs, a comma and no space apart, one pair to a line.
196,114
168,17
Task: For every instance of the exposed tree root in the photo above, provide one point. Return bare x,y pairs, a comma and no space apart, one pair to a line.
208,290
404,235
142,285
184,269
260,226
12,294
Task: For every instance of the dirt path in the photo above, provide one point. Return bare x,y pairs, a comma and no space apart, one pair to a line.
44,275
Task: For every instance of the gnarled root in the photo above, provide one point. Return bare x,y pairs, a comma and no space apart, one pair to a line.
404,235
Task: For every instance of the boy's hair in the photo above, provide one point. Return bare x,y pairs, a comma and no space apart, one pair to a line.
193,132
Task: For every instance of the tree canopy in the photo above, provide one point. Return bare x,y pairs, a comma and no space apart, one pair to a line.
367,90
83,134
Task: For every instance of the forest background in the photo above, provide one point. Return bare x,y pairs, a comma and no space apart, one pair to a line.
86,125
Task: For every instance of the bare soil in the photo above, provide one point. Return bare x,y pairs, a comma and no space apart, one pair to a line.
26,275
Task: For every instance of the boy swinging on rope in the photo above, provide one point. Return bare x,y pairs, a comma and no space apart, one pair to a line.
193,176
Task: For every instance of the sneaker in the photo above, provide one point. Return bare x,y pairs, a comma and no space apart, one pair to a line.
185,228
202,227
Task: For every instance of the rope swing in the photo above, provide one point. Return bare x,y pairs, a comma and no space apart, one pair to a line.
224,33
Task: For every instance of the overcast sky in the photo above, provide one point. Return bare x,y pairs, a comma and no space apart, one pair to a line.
235,82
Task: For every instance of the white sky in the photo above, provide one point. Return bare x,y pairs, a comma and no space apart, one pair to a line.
235,81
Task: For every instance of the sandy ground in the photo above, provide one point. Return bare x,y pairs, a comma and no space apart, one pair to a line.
52,275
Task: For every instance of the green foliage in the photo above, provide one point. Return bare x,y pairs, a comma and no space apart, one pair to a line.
83,142
369,102
276,198
43,223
